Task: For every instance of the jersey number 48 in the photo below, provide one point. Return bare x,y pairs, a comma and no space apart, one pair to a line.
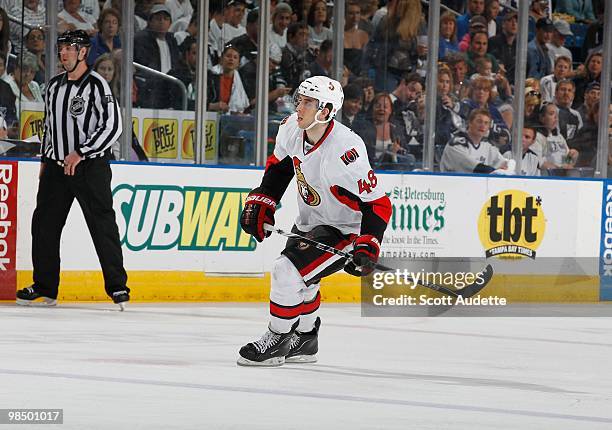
367,185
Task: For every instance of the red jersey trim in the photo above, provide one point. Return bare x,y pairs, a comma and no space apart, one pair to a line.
272,160
346,200
382,208
285,312
323,258
310,307
327,131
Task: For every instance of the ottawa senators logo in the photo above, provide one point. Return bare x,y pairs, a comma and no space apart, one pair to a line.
309,195
349,156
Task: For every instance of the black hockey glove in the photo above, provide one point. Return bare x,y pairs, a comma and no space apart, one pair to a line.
365,252
258,209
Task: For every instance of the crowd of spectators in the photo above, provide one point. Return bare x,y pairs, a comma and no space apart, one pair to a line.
385,57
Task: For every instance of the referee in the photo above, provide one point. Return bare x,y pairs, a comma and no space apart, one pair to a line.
81,123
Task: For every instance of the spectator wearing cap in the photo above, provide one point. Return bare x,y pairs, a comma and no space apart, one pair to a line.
581,9
478,23
281,18
22,83
246,44
556,46
591,73
592,95
72,18
156,48
479,45
570,120
548,84
503,46
107,39
232,21
448,35
474,7
538,61
293,63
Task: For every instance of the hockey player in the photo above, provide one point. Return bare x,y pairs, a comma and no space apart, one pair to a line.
341,203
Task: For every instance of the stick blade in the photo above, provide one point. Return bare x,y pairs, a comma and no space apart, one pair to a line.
476,287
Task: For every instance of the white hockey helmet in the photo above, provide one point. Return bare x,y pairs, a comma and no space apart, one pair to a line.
326,91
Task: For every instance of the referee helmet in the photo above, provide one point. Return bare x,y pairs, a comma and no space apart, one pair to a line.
76,37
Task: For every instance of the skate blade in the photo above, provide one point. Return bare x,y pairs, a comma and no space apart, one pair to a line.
271,362
41,302
121,306
302,359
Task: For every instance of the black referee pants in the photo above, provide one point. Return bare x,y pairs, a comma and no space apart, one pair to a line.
91,186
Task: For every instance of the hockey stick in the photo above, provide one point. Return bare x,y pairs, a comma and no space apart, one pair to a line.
466,292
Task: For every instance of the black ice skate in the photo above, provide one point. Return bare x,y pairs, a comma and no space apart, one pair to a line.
304,346
270,350
121,298
29,297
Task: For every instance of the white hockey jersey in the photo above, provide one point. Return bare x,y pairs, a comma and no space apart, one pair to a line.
335,182
462,155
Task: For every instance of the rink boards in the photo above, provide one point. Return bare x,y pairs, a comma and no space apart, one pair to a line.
181,238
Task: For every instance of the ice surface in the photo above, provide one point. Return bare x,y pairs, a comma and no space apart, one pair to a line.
173,366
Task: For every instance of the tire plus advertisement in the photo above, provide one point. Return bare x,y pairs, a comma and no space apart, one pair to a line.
8,229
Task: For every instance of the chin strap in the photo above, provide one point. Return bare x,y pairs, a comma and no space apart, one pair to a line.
316,120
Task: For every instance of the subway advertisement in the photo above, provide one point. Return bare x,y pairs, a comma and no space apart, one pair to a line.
186,218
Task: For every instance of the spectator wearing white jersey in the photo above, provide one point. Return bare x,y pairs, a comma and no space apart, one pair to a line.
471,152
548,84
530,163
550,145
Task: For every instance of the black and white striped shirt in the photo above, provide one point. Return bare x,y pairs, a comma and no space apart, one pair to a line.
80,115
